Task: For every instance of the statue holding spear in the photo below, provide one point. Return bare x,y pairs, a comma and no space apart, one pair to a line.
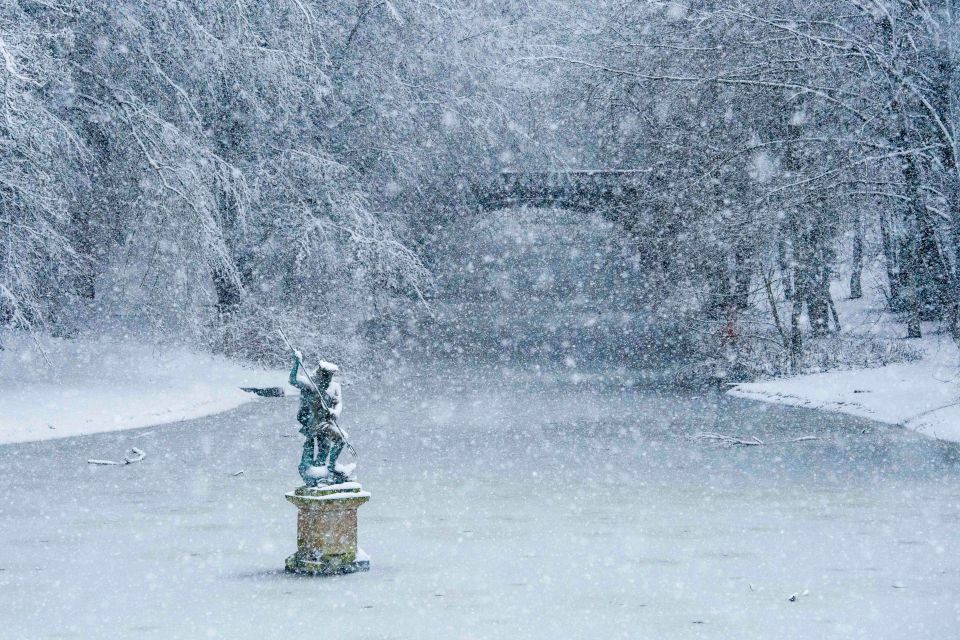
321,404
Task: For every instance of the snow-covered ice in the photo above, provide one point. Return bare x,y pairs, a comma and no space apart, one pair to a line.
89,386
504,504
921,395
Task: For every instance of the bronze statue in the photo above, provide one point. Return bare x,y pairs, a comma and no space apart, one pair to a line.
320,406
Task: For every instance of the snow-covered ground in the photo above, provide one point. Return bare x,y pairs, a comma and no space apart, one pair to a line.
85,386
923,395
505,504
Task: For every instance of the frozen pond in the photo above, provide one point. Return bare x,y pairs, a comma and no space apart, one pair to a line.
506,504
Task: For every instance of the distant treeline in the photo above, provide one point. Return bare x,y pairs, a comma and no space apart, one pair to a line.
208,169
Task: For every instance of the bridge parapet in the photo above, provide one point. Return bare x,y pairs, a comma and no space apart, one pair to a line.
575,189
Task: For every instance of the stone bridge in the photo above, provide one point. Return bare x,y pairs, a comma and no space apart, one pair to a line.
580,190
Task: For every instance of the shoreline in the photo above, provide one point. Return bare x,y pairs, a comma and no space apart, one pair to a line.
102,385
922,396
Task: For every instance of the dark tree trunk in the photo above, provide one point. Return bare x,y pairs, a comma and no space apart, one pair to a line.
929,277
6,319
912,247
229,295
933,270
719,294
856,273
83,242
785,271
818,306
954,313
913,321
817,286
796,338
742,275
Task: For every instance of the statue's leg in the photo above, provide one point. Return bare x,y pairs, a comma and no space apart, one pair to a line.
323,449
335,448
306,461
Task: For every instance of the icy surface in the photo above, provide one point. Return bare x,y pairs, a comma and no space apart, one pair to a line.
91,386
498,511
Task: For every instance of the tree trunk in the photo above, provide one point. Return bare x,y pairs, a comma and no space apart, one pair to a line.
954,313
229,295
817,293
742,276
856,273
913,321
891,260
83,242
911,248
785,272
933,269
6,319
796,338
928,277
719,294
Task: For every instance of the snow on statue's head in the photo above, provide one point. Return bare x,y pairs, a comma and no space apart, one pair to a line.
325,371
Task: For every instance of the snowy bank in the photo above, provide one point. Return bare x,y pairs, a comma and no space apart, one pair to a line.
90,386
923,395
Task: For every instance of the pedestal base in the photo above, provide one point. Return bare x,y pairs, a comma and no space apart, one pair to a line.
327,530
328,565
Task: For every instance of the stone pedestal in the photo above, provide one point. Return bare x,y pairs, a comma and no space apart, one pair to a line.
327,530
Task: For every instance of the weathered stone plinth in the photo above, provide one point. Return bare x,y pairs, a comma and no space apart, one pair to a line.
327,530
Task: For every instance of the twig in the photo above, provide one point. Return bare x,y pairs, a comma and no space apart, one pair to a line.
752,441
727,440
800,439
43,354
134,455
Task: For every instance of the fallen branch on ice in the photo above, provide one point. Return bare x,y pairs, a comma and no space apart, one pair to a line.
134,455
752,441
729,441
